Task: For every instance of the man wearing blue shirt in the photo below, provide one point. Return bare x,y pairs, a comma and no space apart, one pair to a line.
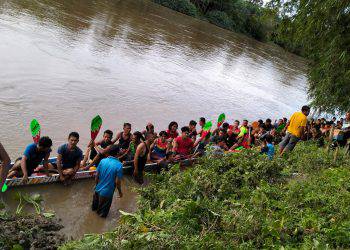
108,177
33,155
268,148
69,156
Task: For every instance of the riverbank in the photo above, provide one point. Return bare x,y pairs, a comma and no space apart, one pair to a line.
29,232
240,201
240,16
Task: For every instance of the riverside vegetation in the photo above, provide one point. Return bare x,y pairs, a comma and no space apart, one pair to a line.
317,30
240,200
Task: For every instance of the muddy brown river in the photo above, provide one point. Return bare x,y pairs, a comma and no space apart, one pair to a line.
64,61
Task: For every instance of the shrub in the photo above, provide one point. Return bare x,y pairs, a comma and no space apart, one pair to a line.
240,201
183,6
220,19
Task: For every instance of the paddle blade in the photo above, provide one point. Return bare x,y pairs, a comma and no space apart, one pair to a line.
35,130
206,129
207,126
221,119
4,188
96,124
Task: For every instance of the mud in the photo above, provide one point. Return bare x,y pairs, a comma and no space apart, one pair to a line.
30,232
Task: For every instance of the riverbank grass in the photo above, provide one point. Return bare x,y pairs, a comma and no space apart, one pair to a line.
240,200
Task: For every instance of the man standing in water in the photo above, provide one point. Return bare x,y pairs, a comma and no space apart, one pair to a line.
108,177
68,158
295,129
4,165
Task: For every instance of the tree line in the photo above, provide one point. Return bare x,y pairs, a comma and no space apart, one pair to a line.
317,30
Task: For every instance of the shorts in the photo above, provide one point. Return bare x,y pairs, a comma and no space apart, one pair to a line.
289,142
101,204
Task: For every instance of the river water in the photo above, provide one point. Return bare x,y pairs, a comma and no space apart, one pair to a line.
63,62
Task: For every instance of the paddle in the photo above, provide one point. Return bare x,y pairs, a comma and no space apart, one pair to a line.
96,124
206,129
221,119
35,130
4,188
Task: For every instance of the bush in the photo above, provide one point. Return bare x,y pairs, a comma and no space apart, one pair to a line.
240,201
220,19
183,6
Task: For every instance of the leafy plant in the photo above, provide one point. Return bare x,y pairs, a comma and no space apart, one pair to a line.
238,201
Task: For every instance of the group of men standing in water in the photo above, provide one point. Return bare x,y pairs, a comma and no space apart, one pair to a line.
138,148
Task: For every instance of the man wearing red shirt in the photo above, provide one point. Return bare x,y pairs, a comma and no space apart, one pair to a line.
183,144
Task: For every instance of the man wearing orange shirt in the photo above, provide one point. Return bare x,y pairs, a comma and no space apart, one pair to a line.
295,129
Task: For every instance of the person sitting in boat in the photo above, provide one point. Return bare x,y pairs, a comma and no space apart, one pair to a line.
33,155
268,124
149,131
129,154
201,123
94,150
109,174
140,160
159,148
123,138
183,145
193,132
5,165
200,145
235,128
69,156
172,130
243,139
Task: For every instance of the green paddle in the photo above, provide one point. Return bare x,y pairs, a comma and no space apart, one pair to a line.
221,119
96,124
206,129
35,129
4,188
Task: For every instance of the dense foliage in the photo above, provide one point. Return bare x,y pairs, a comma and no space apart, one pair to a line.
321,31
318,30
248,17
240,201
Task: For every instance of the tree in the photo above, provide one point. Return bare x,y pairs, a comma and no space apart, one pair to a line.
322,29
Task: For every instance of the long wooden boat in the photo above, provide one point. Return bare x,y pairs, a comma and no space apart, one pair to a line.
44,179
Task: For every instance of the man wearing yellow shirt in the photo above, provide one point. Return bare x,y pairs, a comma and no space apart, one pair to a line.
295,129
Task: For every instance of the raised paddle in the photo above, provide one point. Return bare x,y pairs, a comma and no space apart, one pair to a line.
4,188
35,130
221,119
206,129
96,124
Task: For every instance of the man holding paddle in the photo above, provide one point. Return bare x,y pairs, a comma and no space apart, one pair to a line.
33,155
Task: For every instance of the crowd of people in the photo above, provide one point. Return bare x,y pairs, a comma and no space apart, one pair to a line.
169,146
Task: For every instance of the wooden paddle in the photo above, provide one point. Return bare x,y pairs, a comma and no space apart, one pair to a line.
35,129
96,124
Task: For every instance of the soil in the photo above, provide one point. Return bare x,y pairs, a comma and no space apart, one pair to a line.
29,232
